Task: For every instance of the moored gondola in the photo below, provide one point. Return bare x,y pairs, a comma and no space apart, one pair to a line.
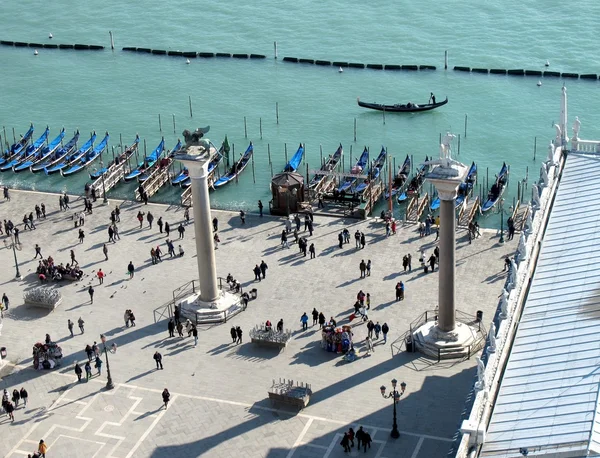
400,179
237,168
373,172
329,166
497,189
416,183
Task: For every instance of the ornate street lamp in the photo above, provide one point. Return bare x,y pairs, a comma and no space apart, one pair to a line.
109,382
395,395
501,221
18,274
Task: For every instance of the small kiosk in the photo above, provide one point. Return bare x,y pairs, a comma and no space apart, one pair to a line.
288,193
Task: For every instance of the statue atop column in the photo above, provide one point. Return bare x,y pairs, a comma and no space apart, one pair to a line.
576,127
446,149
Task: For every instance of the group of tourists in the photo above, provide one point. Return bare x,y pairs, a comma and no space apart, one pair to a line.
47,270
9,405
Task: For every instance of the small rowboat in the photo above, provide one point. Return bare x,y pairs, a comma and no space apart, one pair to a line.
53,154
295,161
357,170
401,178
402,108
68,160
237,168
497,189
17,148
329,166
374,171
87,158
27,153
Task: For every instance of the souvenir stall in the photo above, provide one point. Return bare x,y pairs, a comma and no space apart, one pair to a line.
336,339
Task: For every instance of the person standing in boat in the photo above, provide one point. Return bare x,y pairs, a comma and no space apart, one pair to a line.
431,98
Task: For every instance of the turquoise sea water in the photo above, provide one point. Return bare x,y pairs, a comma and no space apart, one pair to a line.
124,93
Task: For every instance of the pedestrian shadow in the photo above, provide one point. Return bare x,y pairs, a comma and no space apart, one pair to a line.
346,252
329,250
220,349
495,277
181,348
300,261
95,246
385,305
90,264
349,282
304,334
148,414
411,240
139,376
102,227
393,275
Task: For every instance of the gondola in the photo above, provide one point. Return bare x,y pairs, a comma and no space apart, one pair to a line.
295,161
40,153
400,179
373,172
120,159
72,158
18,147
147,162
214,162
328,166
416,183
87,158
53,156
161,163
497,189
26,153
360,165
183,174
237,168
402,108
464,189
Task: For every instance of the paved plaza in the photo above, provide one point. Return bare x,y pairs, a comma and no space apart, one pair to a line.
219,405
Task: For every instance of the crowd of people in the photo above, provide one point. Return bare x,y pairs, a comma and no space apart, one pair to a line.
47,270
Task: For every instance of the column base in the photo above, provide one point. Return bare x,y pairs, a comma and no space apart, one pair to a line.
462,342
227,305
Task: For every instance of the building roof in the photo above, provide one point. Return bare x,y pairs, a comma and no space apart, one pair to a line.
548,398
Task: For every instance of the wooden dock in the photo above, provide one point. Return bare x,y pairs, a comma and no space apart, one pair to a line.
416,207
519,216
159,176
371,196
468,211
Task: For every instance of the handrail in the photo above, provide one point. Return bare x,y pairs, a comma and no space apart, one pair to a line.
158,177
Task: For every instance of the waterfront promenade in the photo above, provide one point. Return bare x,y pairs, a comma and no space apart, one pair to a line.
219,402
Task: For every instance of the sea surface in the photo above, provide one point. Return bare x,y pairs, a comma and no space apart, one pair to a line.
124,93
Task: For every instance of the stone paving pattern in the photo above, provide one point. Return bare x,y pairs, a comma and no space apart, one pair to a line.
219,405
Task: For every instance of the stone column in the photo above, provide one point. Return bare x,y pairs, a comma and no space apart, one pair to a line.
446,313
205,251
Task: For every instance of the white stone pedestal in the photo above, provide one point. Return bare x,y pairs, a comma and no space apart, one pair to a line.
226,305
459,343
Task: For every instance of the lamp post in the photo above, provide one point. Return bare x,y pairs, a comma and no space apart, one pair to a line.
104,199
395,395
501,221
109,382
18,274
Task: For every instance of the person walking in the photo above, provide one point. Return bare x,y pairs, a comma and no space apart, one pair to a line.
130,270
385,329
43,208
159,223
363,268
195,335
70,326
111,235
233,333
180,329
42,448
321,320
126,317
215,223
73,260
158,358
38,251
284,239
78,371
315,316
91,293
243,216
366,441
140,218
6,194
150,219
431,261
88,371
16,397
186,215
359,437
370,327
263,269
216,240
304,321
100,276
167,229
256,271
8,406
5,301
89,352
24,396
311,250
166,397
345,443
238,332
351,436
260,208
132,318
377,329
368,266
105,251
80,322
98,365
171,328
181,231
81,235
